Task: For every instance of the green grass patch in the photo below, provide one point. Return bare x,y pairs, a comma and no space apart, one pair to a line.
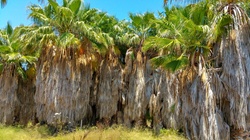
92,133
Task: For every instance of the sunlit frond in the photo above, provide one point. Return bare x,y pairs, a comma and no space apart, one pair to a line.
67,40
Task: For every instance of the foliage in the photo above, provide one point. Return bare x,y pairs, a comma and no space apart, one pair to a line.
180,35
189,33
73,24
14,51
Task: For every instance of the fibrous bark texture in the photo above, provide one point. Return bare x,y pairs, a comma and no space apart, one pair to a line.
8,91
135,89
206,103
17,97
109,87
234,60
63,86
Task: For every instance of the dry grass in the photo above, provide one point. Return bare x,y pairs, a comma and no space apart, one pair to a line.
113,133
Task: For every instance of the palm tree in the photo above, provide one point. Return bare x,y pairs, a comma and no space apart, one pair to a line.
17,76
76,42
178,40
223,33
142,26
13,51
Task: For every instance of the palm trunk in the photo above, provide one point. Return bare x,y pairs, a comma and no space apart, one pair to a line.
63,87
17,97
109,87
137,88
234,59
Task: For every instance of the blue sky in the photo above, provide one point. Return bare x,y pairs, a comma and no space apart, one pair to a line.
16,10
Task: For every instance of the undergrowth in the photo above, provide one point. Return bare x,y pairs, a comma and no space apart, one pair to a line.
39,132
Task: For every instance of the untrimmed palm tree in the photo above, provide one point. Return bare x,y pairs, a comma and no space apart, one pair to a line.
178,39
142,26
13,51
228,28
202,20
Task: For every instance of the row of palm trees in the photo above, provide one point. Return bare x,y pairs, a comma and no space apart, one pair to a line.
178,38
179,34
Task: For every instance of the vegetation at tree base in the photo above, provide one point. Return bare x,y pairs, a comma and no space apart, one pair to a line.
92,133
187,68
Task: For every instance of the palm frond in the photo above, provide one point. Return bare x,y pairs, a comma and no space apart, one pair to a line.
38,15
75,5
29,59
68,39
54,4
170,62
9,29
5,49
65,12
158,43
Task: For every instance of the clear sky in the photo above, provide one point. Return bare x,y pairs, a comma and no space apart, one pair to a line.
16,10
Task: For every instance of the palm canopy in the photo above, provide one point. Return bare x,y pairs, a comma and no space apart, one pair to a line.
187,34
177,36
12,50
72,23
142,27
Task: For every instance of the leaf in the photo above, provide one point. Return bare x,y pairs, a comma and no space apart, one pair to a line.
9,29
67,39
54,4
176,64
225,20
75,5
13,56
159,43
136,19
66,12
159,60
21,72
29,59
5,49
170,62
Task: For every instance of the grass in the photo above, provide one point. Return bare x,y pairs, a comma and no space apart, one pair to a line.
92,133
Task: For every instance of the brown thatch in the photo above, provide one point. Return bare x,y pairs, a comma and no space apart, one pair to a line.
17,97
63,86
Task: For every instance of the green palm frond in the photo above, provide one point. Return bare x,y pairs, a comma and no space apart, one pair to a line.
220,27
170,62
9,29
4,38
65,12
13,57
30,59
75,5
38,15
158,43
109,41
68,39
21,72
5,49
33,37
54,4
